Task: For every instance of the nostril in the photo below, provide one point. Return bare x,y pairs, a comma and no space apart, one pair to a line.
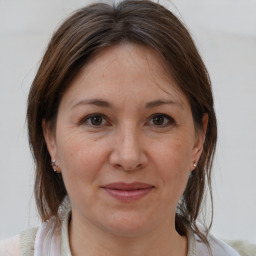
128,158
132,168
129,167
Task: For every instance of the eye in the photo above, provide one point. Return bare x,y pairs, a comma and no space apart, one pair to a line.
161,120
95,120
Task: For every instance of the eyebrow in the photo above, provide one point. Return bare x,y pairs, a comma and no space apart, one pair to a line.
96,102
105,104
157,103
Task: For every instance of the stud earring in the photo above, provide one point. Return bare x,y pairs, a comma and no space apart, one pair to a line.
194,163
54,165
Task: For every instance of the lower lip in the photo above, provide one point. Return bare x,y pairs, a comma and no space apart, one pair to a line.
128,195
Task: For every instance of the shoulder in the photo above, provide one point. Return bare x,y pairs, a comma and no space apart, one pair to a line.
18,245
243,247
10,247
218,247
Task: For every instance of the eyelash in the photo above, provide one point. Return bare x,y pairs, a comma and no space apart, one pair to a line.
168,120
88,118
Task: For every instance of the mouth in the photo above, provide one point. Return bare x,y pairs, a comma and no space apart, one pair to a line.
128,192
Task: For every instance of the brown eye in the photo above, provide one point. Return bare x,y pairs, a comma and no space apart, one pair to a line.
158,120
96,120
161,120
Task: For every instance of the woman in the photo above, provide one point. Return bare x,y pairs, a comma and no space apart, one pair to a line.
123,131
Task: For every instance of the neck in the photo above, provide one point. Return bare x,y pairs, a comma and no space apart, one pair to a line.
162,241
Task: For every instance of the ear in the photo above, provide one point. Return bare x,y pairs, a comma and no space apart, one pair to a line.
199,141
49,139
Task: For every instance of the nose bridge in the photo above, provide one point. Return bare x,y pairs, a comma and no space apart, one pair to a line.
130,140
129,151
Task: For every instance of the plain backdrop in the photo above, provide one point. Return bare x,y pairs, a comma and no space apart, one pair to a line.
225,33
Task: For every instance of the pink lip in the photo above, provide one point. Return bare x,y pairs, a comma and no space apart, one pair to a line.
128,192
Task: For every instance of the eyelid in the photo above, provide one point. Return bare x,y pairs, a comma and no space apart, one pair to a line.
86,118
170,119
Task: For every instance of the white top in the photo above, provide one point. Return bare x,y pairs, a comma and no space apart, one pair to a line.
53,241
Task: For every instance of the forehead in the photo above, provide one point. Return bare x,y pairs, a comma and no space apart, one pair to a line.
129,70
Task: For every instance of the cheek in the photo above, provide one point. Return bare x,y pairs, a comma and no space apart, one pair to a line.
175,155
79,158
80,167
173,163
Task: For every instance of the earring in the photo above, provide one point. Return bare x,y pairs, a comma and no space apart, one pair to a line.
194,163
54,165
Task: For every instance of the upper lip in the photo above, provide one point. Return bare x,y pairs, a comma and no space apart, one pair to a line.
127,186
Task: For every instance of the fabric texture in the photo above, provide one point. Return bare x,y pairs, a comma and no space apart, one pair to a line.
27,239
52,239
244,248
219,248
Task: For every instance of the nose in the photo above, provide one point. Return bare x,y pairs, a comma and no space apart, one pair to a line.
128,151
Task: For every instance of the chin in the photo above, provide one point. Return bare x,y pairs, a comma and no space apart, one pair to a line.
126,226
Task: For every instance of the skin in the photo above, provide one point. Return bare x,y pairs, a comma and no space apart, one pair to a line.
144,133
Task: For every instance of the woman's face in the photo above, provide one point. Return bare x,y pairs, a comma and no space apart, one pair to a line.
125,142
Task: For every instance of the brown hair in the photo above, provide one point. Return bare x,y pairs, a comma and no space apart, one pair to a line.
88,31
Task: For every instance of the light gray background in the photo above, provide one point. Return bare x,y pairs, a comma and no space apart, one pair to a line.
225,32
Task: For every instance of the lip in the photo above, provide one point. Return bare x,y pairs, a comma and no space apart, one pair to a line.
128,192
